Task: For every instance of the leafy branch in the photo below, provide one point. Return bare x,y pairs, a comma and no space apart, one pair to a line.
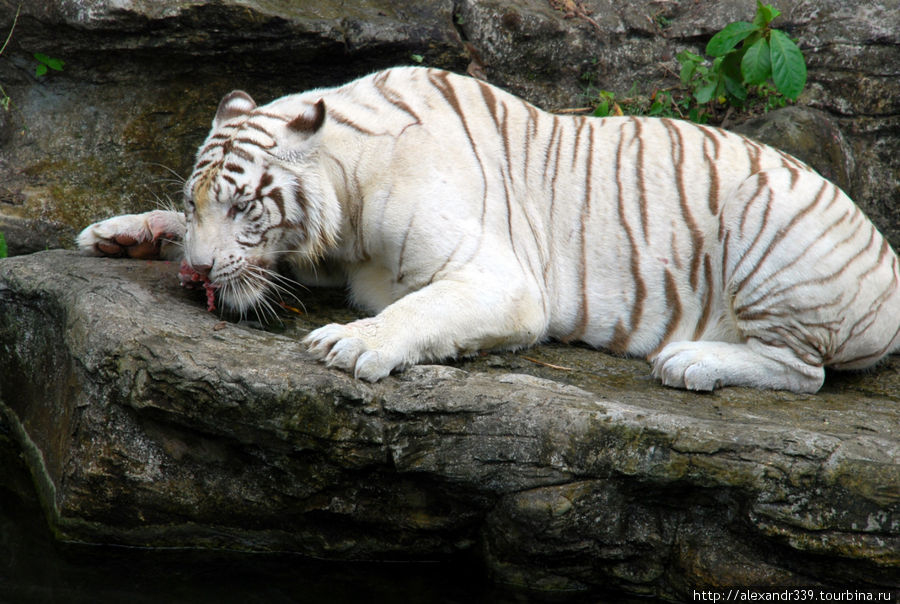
750,66
765,55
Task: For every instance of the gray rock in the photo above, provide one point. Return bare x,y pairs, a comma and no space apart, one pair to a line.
112,132
148,421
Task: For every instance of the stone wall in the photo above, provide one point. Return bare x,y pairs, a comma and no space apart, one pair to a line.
141,80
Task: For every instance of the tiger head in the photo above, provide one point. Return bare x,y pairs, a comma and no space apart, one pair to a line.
256,192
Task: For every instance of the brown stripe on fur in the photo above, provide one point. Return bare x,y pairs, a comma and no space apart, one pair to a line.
395,99
781,234
491,101
725,248
576,146
440,80
531,132
673,301
622,337
338,117
243,140
754,152
887,293
619,342
549,146
713,136
583,310
713,181
243,154
785,267
399,275
707,297
684,203
257,127
642,188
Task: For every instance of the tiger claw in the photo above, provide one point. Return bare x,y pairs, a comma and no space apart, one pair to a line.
349,347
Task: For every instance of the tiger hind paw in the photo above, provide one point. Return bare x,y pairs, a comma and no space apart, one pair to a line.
705,366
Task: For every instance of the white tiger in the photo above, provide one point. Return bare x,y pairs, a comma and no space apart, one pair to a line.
466,219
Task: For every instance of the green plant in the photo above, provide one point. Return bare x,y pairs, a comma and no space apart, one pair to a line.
4,251
764,54
659,103
751,67
45,63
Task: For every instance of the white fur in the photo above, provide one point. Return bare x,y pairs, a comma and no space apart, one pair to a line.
464,219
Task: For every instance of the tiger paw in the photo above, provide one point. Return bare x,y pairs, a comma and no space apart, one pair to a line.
353,348
709,365
691,365
148,235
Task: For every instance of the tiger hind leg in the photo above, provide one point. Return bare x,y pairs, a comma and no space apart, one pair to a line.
706,365
808,282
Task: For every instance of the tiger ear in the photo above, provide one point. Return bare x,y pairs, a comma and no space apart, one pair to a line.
232,105
310,120
302,134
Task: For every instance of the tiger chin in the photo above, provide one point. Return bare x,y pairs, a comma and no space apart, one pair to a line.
463,218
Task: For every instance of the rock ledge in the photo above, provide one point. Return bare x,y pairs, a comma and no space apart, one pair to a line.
147,421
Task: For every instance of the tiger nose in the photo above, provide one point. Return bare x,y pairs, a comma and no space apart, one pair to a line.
202,269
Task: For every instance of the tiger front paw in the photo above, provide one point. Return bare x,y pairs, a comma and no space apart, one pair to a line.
355,348
150,235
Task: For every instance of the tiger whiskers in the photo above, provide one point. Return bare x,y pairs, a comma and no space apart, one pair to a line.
261,290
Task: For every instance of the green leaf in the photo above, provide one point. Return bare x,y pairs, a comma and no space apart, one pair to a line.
417,58
788,65
696,116
46,62
765,14
705,92
736,90
724,41
4,251
602,109
687,72
756,66
686,56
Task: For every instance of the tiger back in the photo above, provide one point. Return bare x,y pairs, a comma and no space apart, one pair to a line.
464,218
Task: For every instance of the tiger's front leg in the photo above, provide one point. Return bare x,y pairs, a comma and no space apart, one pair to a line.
155,234
446,319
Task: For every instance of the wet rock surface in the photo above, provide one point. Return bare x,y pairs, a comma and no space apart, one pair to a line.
148,421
